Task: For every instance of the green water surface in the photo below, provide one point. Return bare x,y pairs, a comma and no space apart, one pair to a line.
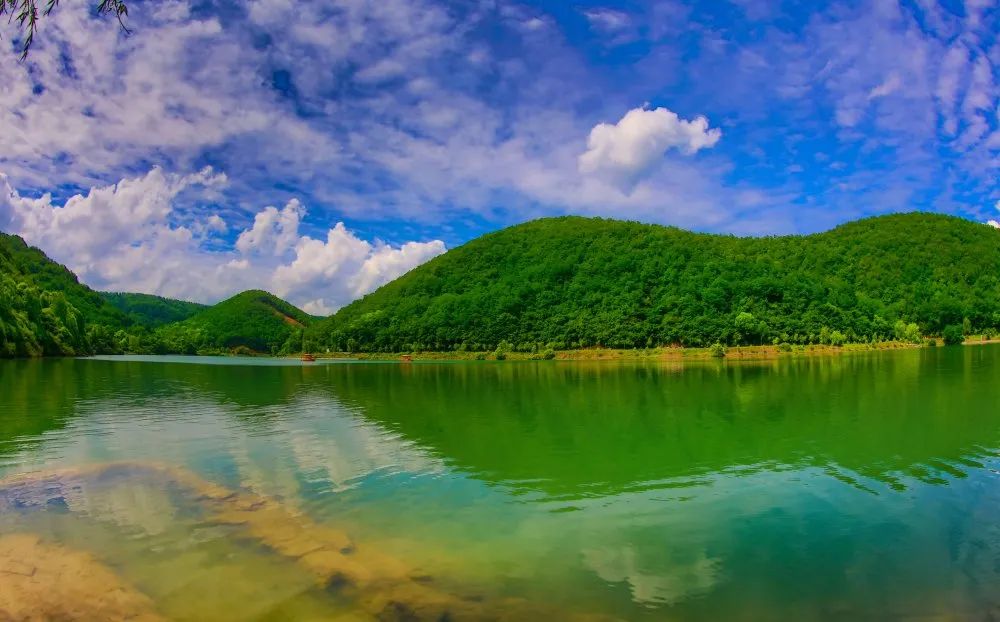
856,487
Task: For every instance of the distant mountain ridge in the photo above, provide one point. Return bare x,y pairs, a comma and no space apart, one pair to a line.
149,310
575,282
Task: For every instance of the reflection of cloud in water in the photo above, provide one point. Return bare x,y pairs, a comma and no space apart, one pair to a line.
350,451
324,442
311,437
681,580
137,506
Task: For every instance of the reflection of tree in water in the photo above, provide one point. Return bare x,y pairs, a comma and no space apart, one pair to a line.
577,430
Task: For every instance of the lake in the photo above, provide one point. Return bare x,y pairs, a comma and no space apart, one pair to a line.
864,486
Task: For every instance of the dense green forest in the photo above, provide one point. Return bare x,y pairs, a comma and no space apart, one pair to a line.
151,311
24,263
579,282
46,311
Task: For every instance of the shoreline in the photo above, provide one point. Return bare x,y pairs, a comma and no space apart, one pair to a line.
666,353
672,354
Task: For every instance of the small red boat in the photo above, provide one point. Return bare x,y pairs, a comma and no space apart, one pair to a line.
308,358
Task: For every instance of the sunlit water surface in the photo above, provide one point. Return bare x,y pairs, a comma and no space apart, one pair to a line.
862,486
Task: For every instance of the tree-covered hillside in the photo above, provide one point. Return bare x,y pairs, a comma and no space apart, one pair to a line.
579,282
26,263
254,320
44,310
149,310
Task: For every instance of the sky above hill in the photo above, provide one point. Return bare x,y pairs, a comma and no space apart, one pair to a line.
318,149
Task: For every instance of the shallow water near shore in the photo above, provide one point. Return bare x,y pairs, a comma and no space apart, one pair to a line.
863,486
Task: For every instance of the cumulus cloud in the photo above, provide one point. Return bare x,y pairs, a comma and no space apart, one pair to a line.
344,267
274,231
104,235
131,237
623,152
993,223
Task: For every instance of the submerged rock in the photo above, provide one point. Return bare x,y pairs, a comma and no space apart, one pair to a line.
380,586
41,581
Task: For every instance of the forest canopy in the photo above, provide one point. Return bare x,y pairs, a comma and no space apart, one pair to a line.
577,282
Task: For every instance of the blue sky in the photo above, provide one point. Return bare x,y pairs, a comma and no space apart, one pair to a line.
381,133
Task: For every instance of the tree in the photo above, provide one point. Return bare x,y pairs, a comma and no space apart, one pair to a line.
27,13
953,335
746,325
503,348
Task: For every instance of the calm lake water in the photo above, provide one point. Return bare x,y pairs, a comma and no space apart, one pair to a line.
856,487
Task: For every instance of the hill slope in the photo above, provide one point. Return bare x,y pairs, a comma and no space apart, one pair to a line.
253,319
575,282
29,264
149,310
45,310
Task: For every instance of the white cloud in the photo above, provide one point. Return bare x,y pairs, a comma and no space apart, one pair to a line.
888,87
993,223
274,231
216,223
950,73
105,234
126,237
623,152
344,267
608,20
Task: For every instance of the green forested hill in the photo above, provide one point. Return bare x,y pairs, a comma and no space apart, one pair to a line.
254,319
44,310
578,282
149,310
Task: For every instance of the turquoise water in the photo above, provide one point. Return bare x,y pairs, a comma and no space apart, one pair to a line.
862,486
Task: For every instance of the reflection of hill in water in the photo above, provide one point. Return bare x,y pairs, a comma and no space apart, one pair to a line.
575,429
43,395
